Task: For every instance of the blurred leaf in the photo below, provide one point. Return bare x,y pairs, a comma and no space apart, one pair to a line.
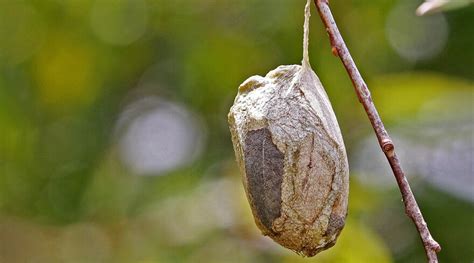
119,22
434,6
403,96
356,244
438,209
362,199
65,74
22,31
217,66
111,191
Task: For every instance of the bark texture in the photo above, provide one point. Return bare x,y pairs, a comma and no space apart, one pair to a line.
339,48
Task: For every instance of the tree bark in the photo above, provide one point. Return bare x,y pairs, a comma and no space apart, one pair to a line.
339,49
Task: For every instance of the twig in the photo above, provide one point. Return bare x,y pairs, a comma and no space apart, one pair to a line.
411,207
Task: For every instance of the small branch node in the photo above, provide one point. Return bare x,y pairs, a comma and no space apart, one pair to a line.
339,48
435,246
387,146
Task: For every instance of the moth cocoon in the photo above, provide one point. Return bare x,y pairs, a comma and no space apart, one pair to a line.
291,156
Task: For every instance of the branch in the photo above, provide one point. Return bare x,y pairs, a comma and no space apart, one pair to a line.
411,207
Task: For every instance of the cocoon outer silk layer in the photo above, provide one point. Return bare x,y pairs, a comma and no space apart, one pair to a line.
291,156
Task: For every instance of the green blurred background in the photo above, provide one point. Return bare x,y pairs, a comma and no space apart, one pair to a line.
114,145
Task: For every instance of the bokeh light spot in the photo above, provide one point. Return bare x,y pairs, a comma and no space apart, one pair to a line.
161,136
416,38
21,32
65,74
119,22
84,243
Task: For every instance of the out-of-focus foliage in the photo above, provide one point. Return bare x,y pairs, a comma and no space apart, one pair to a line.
114,145
432,6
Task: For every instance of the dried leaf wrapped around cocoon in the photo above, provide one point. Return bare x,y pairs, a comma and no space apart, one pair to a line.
292,156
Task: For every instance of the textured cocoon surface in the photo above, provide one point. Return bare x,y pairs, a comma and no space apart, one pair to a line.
291,156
